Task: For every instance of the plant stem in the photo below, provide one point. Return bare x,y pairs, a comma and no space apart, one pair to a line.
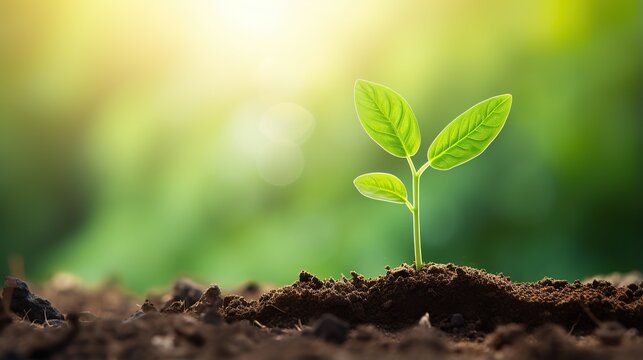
417,245
415,211
424,167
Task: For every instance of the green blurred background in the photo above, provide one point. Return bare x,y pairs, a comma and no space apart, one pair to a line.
148,140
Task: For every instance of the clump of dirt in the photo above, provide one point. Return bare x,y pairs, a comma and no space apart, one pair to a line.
440,311
28,305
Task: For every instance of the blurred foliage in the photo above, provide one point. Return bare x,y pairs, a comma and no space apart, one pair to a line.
145,140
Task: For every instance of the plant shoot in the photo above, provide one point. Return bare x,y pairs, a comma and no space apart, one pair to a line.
390,122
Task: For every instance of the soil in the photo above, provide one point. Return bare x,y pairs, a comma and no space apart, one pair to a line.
440,311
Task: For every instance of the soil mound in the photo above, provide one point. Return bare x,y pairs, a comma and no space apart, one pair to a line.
472,298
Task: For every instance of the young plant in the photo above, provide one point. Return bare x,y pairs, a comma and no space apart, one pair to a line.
390,122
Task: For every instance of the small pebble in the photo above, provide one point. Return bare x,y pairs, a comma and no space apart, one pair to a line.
330,328
457,320
425,321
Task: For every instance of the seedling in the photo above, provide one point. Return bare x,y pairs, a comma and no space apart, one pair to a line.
390,122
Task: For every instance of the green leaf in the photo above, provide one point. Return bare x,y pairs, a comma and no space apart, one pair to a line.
387,118
470,133
381,186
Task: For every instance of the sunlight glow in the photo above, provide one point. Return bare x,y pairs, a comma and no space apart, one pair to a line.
253,18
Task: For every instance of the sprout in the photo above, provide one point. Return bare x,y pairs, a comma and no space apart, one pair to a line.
390,122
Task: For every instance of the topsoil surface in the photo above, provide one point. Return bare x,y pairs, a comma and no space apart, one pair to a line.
440,311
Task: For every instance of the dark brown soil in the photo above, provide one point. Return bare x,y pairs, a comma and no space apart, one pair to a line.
441,312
